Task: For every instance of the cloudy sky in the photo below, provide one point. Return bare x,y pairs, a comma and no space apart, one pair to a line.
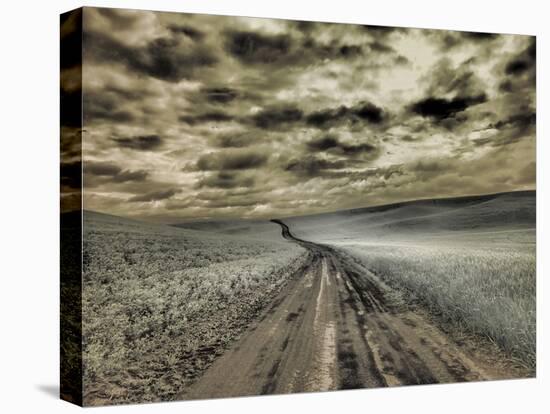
202,117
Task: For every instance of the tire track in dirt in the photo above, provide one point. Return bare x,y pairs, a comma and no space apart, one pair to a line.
332,327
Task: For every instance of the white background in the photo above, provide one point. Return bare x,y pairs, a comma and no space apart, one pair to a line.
29,135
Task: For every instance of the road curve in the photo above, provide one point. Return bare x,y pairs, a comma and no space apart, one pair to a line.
332,327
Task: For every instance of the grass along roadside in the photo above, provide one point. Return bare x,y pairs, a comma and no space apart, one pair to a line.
161,303
488,292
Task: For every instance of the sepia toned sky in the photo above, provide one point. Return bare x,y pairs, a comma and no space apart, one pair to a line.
208,117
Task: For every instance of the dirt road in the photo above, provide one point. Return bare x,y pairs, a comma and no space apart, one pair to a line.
336,326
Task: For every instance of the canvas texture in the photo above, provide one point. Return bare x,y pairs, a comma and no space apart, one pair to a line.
263,206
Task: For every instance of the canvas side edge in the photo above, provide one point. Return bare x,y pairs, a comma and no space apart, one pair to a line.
71,370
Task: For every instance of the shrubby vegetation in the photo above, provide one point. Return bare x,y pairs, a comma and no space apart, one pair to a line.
160,303
487,291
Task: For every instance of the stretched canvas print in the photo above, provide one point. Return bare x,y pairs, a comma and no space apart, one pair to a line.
260,206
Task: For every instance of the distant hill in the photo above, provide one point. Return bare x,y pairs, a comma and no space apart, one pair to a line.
229,231
481,213
494,212
247,228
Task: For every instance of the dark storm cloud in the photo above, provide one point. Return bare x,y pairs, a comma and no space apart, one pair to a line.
140,143
378,46
382,31
304,25
506,86
331,143
442,108
231,161
102,172
311,166
168,58
188,31
429,166
390,171
282,50
520,71
451,89
349,51
325,118
479,36
355,149
154,196
363,111
447,40
215,116
254,48
277,117
401,60
101,169
532,49
461,83
104,107
379,173
368,112
522,120
313,52
226,180
121,94
517,67
522,62
285,116
220,95
447,78
324,143
513,128
234,140
135,176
